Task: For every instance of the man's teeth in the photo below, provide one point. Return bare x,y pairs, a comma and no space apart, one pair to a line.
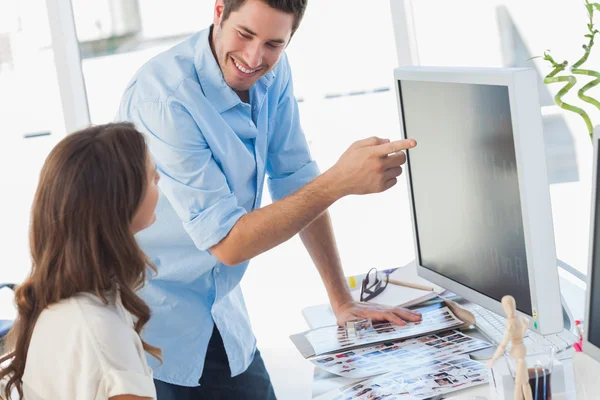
244,70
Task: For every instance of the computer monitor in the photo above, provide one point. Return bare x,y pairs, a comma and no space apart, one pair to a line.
478,187
591,335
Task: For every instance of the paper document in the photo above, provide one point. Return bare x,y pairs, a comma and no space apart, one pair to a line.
322,314
442,378
396,355
330,339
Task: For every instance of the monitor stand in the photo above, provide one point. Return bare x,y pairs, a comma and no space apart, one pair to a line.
568,320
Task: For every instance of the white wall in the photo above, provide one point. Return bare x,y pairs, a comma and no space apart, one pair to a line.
176,17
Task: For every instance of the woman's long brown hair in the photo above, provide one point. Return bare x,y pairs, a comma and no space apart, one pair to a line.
90,187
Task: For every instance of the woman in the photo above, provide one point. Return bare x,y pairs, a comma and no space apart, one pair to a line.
77,334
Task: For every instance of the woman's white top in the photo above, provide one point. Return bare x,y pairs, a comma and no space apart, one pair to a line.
82,348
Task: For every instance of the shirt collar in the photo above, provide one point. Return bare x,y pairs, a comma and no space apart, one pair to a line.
211,78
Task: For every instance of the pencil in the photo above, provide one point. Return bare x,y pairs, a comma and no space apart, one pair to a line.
410,285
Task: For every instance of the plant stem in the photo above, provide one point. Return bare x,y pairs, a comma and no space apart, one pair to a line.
571,81
579,71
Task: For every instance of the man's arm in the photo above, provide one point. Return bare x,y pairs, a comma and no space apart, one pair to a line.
368,166
267,227
319,240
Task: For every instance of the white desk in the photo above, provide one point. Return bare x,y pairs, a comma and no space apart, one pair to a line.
324,382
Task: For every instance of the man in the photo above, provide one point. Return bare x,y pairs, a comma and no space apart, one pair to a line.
220,113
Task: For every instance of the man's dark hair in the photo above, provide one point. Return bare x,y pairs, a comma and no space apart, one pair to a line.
296,7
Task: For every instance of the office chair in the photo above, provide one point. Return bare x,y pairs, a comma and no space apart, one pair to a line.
5,325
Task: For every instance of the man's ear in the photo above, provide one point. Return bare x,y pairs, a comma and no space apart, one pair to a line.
219,7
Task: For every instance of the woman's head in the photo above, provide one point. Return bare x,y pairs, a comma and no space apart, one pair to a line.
97,188
102,174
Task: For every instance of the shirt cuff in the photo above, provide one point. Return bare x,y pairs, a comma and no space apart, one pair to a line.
213,224
115,383
282,187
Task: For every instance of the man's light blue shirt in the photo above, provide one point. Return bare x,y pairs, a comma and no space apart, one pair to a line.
212,152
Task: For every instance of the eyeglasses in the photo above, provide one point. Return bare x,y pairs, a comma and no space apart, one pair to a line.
372,286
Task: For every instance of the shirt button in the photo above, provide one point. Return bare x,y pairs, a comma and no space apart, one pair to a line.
250,123
218,269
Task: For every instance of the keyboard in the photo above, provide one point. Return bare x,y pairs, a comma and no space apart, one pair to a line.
494,326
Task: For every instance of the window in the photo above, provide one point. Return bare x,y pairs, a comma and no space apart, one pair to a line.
31,122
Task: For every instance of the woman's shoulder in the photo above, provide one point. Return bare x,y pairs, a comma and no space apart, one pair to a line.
84,313
90,340
86,324
85,320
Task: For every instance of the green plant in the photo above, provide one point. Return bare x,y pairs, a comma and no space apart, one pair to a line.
558,75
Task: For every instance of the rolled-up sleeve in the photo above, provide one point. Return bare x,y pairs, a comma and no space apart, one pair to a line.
289,163
190,178
118,383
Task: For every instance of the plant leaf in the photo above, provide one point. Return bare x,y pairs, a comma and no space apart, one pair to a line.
590,8
596,6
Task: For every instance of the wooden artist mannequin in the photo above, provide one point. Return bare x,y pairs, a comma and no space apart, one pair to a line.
516,327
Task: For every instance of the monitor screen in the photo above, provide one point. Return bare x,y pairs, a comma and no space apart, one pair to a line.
594,287
465,186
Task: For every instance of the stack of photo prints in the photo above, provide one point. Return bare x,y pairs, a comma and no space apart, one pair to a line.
401,362
449,375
